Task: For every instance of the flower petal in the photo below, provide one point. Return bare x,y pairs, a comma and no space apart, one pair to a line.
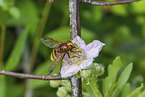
77,40
86,63
92,50
69,70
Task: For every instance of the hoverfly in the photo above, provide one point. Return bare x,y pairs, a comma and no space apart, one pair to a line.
59,52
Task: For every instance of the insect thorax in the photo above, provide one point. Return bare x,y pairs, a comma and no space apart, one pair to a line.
76,55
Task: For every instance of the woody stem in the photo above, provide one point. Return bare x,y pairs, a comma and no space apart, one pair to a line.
75,30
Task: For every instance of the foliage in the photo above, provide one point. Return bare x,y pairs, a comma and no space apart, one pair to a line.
113,85
120,27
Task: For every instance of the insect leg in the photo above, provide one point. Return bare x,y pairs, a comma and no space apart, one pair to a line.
75,51
68,53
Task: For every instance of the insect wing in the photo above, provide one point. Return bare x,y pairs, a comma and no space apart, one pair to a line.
52,43
54,63
52,66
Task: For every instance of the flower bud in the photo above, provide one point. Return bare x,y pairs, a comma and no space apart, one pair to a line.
67,84
99,69
68,96
62,92
86,73
55,83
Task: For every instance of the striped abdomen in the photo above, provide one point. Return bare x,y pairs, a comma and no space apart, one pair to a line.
55,54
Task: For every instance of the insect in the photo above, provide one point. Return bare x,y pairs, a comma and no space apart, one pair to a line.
59,52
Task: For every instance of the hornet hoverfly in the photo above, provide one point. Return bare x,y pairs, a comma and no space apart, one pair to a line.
59,52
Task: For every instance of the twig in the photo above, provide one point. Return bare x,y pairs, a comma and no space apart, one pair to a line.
51,1
31,76
108,3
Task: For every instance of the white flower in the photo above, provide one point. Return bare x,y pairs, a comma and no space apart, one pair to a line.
81,58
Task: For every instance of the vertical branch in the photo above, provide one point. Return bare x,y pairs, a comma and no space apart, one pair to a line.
74,31
76,86
78,18
3,31
74,18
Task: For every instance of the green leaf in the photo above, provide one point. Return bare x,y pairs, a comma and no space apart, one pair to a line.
126,90
17,51
109,81
2,86
117,63
14,11
122,80
135,93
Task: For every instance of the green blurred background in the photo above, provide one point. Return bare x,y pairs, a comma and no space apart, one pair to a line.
120,27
